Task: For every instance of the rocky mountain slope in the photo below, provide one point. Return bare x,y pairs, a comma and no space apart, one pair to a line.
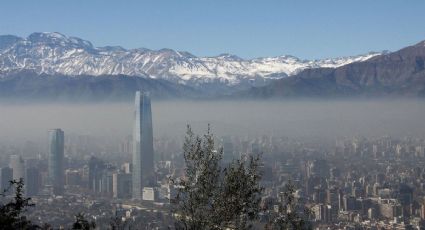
400,73
30,86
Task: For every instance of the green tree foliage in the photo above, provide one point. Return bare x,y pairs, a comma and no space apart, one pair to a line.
82,223
211,196
11,213
289,215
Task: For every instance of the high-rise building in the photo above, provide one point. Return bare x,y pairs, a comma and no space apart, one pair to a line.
349,203
107,184
56,160
32,181
73,177
121,185
6,175
18,166
96,170
143,159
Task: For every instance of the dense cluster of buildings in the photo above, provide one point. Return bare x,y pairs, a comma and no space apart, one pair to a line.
54,186
359,183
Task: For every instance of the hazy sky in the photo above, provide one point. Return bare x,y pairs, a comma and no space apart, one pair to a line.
327,119
307,29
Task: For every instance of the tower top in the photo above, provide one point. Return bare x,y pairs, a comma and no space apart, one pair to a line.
143,93
55,129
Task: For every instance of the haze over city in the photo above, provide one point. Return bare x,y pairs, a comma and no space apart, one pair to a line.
295,118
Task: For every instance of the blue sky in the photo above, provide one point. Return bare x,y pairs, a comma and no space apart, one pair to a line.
306,29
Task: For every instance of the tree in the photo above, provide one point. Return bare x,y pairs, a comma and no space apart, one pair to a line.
290,214
116,223
82,223
210,197
239,193
11,213
46,226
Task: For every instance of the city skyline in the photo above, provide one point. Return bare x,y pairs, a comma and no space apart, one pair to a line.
273,114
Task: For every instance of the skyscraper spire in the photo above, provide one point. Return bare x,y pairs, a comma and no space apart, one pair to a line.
143,159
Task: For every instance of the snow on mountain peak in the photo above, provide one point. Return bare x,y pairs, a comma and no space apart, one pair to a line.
53,53
46,37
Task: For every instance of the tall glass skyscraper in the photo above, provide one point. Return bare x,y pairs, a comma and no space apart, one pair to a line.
32,181
143,159
56,152
6,175
18,167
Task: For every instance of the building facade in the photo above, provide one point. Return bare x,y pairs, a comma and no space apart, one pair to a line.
32,181
56,161
6,175
143,158
18,166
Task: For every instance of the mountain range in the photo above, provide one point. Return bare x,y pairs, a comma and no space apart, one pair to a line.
52,65
396,74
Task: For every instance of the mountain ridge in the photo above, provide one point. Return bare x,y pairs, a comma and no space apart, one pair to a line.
400,73
49,62
30,86
55,53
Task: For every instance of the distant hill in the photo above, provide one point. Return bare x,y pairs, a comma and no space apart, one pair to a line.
29,86
401,73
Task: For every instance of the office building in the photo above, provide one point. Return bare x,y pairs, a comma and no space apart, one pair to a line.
56,161
32,181
121,185
143,158
18,167
6,175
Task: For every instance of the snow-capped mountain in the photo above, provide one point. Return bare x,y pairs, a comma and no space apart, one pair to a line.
54,53
396,74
